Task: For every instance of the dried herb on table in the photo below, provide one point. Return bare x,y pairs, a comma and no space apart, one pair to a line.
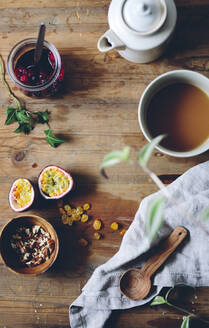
27,120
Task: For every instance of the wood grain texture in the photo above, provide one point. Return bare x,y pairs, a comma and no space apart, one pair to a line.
96,113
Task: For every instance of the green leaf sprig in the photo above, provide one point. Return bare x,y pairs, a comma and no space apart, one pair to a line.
51,139
160,300
185,322
154,217
27,120
146,152
115,157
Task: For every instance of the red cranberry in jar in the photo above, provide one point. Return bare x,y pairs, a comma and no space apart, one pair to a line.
41,80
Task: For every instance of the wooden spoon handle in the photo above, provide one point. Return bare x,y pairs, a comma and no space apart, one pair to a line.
165,249
39,44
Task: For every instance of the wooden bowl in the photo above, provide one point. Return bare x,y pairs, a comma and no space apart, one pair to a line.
10,257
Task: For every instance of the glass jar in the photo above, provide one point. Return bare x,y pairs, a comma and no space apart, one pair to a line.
48,86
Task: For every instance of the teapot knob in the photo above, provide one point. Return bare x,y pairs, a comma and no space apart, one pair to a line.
144,16
143,8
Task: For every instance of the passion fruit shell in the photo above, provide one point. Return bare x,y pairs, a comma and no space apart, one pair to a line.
52,188
21,195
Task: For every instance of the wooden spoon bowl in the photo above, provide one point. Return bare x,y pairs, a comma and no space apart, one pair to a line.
134,284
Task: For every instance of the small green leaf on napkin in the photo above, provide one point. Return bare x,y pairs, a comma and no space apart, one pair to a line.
158,300
185,322
146,151
51,139
154,217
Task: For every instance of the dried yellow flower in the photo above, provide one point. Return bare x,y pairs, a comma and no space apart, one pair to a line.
70,221
86,207
69,212
79,210
97,235
97,224
67,208
114,226
123,232
76,217
84,218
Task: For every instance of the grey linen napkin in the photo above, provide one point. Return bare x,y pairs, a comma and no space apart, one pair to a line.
188,265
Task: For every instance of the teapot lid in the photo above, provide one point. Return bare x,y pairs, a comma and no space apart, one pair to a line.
144,16
149,36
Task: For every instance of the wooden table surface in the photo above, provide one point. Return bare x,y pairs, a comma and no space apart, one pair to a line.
97,113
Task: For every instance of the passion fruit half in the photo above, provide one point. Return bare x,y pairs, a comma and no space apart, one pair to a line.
21,195
54,182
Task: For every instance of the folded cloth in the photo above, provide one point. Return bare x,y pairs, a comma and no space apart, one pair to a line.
188,265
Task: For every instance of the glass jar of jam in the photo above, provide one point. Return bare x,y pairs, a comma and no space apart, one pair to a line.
42,80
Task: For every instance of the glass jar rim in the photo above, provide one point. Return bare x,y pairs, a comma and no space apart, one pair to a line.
32,41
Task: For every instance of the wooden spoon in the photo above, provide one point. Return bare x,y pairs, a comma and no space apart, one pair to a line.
135,283
39,44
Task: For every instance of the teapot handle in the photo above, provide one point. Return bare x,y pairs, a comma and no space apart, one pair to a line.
109,41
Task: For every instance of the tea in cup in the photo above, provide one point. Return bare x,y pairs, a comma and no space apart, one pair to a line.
176,104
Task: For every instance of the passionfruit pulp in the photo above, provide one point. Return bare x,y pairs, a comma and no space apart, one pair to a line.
21,195
54,182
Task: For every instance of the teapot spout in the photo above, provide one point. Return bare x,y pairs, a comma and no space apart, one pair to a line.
109,41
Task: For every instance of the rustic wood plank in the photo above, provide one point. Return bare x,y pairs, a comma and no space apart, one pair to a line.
80,3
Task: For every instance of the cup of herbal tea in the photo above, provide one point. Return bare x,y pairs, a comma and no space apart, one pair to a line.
176,104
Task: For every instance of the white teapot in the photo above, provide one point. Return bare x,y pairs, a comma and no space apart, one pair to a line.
139,29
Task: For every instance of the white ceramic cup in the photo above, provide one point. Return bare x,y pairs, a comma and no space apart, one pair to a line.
177,76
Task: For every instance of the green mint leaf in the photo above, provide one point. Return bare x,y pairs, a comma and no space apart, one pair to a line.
115,157
24,127
205,215
154,217
146,151
51,139
158,300
11,115
21,116
43,117
185,322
